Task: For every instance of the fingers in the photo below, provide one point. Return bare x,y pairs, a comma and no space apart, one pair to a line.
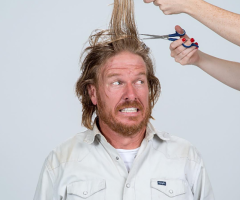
187,42
157,3
181,54
148,1
185,55
174,45
187,59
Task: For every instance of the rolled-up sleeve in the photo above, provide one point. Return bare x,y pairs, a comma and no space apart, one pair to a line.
44,190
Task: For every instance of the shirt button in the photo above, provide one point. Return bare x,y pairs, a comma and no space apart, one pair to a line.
117,158
85,192
170,191
128,185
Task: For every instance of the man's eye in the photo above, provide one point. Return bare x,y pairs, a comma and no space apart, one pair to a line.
116,83
139,82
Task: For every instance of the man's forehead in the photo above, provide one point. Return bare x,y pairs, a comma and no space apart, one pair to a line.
127,69
124,62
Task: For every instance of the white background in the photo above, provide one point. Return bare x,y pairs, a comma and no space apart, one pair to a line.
40,45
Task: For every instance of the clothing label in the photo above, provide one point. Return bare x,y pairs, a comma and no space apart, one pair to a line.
162,183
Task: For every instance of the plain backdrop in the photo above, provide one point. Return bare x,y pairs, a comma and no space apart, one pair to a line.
40,45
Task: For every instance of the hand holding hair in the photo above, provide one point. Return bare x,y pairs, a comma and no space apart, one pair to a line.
204,12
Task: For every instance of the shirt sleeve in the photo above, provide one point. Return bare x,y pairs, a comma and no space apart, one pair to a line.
44,190
202,188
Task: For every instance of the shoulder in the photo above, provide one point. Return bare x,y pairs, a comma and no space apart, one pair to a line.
73,149
176,147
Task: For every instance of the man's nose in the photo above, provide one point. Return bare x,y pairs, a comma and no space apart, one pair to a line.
130,93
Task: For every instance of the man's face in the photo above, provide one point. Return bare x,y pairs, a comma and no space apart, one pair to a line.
122,95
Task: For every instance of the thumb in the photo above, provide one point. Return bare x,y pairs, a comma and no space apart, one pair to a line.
180,31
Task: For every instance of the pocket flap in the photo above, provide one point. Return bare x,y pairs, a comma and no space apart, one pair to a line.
170,187
86,188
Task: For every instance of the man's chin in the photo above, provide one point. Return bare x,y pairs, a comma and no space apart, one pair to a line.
130,121
128,128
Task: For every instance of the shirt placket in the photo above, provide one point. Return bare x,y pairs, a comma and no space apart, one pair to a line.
129,189
112,152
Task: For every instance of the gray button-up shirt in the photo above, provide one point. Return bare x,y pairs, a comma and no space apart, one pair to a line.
88,167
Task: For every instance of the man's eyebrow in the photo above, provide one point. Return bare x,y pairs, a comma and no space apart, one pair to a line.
141,73
112,74
117,74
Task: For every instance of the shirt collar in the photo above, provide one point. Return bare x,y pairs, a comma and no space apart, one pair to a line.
90,137
150,132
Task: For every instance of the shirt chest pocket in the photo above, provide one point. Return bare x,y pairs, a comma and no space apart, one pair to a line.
89,190
166,189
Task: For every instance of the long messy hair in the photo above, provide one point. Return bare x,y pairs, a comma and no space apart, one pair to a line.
122,35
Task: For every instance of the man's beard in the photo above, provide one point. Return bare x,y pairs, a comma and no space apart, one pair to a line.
117,126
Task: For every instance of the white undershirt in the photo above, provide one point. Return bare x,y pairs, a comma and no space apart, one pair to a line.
128,156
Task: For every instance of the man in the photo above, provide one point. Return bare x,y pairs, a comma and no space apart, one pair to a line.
121,155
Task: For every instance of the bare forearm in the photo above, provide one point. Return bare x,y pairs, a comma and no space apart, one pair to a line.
223,22
225,71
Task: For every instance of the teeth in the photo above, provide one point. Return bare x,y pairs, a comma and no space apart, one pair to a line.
129,110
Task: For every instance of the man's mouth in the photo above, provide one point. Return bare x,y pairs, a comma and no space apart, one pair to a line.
129,110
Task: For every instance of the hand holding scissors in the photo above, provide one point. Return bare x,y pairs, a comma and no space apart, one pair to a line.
183,50
170,37
182,55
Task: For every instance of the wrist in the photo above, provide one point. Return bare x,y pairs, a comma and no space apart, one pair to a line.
193,6
201,58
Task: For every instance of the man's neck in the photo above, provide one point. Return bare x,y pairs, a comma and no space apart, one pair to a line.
119,141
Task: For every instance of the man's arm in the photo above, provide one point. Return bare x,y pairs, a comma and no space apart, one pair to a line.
223,22
44,190
227,72
202,189
197,177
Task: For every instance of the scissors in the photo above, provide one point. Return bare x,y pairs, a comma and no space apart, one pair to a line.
169,37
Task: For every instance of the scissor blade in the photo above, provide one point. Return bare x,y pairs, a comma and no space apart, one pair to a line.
155,36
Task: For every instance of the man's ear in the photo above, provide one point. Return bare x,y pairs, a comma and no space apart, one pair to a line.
92,93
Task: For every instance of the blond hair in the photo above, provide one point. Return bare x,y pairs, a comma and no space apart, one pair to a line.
121,36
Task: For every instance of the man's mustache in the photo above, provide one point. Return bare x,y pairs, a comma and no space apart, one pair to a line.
129,104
